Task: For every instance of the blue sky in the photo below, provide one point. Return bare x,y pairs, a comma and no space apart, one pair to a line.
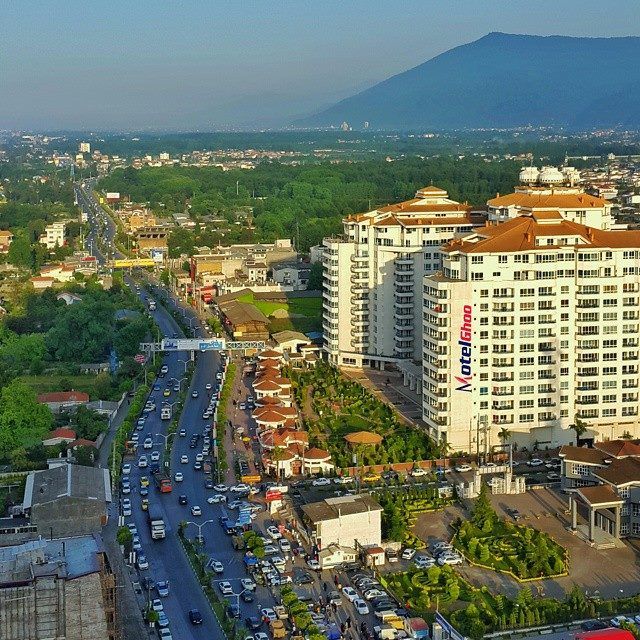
150,64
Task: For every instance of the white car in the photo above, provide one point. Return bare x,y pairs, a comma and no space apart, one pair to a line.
273,533
126,469
424,562
535,462
225,588
248,584
373,593
269,614
314,564
157,605
148,443
184,459
285,545
408,553
155,456
199,457
217,499
126,507
142,562
208,386
321,482
240,488
196,510
361,607
178,477
165,634
418,472
277,562
449,558
270,550
260,636
194,394
462,468
217,566
350,594
343,480
142,462
220,488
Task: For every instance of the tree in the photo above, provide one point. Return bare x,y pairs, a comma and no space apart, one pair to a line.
483,515
580,427
124,537
315,277
20,252
23,421
505,435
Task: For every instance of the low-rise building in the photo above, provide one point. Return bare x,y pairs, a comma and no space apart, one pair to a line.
53,235
6,238
244,321
67,500
347,521
58,436
57,589
63,400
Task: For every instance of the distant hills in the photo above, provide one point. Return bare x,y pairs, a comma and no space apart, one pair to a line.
505,80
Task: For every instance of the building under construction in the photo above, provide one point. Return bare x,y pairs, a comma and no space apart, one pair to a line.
57,589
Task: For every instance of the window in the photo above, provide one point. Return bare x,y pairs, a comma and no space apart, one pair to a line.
525,417
579,469
502,259
477,259
623,492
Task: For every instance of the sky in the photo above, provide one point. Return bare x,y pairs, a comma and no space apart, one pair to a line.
208,64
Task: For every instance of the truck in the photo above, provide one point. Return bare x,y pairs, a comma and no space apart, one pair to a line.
152,304
277,629
165,413
163,482
156,522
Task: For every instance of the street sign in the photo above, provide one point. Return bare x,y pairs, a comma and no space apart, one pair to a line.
199,344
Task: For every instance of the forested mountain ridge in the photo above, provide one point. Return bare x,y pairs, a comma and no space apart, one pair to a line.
505,80
307,201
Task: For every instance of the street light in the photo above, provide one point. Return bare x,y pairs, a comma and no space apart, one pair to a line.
165,436
185,363
180,380
199,525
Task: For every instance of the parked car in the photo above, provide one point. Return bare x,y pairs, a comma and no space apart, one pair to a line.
350,594
195,617
321,482
535,462
408,553
361,607
463,468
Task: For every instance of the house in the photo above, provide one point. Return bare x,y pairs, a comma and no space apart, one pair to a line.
6,238
68,500
42,282
603,483
244,321
293,274
53,235
295,459
347,521
290,341
68,298
63,400
58,436
59,272
334,555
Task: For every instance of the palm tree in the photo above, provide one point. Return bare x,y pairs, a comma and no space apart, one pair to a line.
504,434
580,427
277,454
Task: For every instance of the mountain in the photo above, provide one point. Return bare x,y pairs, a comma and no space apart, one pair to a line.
505,80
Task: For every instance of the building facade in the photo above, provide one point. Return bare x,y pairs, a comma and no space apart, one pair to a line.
530,324
53,235
372,306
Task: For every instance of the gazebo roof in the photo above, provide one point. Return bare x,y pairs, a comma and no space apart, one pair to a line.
363,437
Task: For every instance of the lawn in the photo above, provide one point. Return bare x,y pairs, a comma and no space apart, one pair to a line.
310,310
98,387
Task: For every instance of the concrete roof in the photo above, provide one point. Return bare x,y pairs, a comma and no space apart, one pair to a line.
600,494
332,508
287,335
68,480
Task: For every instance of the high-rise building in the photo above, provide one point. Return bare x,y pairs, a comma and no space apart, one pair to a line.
372,309
85,147
530,325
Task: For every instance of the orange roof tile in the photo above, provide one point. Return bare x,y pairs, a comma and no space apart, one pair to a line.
553,201
271,417
269,353
63,396
363,437
317,454
62,432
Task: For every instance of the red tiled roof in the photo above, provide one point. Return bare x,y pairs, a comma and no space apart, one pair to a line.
620,471
83,442
271,417
62,432
63,396
269,354
583,454
317,454
600,494
619,448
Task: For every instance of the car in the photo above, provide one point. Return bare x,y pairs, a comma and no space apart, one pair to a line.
184,459
594,625
248,583
197,466
217,499
144,481
196,510
126,507
178,477
233,611
162,587
165,634
199,457
321,482
270,550
143,462
156,387
208,386
194,393
361,606
350,594
225,588
176,388
418,472
285,545
136,545
250,400
253,622
163,621
219,375
424,562
182,499
450,559
334,598
408,553
314,564
135,437
148,443
132,527
167,392
217,566
126,469
155,456
278,562
343,480
514,513
240,488
126,487
268,614
619,620
535,462
373,593
274,533
182,433
157,605
195,617
247,596
554,477
142,562
439,547
463,468
208,483
164,369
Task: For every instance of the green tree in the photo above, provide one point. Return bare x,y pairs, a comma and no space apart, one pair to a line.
315,277
124,537
20,252
483,515
23,420
580,427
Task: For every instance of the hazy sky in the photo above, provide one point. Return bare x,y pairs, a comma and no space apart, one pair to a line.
102,64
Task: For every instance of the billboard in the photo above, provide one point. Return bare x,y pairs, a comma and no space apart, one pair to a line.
193,344
157,255
112,196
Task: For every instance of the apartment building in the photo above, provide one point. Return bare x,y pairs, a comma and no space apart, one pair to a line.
372,307
529,324
53,235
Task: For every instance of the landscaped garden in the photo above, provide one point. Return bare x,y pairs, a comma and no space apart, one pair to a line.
333,406
490,541
401,510
302,314
475,611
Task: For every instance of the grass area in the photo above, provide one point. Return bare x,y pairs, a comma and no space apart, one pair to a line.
309,308
95,386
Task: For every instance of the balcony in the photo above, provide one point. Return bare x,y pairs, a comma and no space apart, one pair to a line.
403,302
360,343
357,310
358,278
405,311
400,270
359,288
502,377
406,260
360,332
403,325
362,322
502,407
359,259
548,418
403,351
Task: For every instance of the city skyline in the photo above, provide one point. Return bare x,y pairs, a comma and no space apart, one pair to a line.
214,65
